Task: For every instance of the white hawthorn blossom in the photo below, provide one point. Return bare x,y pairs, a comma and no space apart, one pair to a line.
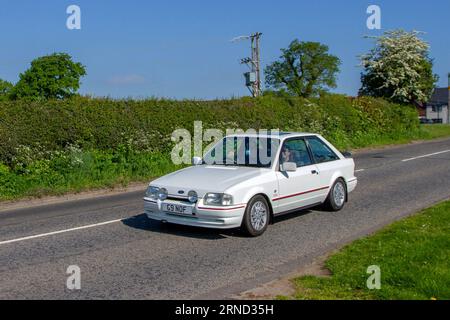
396,60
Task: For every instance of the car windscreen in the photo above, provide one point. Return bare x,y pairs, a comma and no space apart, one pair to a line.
243,151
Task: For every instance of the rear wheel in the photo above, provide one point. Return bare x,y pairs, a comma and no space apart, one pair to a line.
256,217
337,196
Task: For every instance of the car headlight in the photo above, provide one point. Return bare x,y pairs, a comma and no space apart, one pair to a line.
163,194
218,199
192,196
152,192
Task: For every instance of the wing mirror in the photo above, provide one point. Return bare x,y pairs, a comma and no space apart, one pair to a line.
289,167
347,154
197,161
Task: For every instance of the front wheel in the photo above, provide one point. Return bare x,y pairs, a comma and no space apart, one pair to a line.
337,196
256,217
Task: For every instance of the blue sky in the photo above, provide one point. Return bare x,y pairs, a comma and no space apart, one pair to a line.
182,49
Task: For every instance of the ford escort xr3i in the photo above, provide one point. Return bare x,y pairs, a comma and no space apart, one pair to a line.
246,180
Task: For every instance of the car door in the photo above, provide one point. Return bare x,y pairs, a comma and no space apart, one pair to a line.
326,160
300,188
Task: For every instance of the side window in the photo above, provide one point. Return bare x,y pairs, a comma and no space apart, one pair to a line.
295,150
321,152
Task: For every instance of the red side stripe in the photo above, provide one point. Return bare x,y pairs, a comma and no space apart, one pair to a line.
299,194
221,209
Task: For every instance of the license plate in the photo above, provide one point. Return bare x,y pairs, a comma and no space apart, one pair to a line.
177,208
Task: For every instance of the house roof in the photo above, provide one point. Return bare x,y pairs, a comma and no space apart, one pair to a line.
440,95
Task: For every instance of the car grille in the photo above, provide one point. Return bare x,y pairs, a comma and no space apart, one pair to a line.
178,198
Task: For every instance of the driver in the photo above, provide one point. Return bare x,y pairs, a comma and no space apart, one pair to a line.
286,155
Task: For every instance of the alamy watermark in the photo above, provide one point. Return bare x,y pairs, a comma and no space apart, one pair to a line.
73,22
374,20
74,280
374,280
230,146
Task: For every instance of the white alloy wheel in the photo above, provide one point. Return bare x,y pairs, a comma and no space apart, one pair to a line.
258,215
339,194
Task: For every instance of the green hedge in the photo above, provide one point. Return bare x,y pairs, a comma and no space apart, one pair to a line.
104,124
67,146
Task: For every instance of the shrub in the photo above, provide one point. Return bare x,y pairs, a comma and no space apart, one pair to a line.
67,145
147,125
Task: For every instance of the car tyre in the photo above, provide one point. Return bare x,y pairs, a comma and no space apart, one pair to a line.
337,197
256,217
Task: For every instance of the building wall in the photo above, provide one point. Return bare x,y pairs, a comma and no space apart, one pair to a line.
435,115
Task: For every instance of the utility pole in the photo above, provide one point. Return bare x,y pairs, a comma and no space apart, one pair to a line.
256,63
253,78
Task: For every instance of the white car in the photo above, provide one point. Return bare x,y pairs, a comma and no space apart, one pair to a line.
246,180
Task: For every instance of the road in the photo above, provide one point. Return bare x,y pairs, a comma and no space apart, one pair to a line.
122,255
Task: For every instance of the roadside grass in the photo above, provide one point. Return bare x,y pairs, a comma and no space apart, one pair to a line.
38,174
87,170
413,256
425,132
435,131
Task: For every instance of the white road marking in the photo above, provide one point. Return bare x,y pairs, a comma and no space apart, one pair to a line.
426,155
59,232
119,220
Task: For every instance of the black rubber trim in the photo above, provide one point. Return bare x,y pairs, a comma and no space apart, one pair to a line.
297,209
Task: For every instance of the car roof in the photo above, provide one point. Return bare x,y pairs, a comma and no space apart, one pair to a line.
273,135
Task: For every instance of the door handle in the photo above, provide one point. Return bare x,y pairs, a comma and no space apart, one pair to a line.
315,172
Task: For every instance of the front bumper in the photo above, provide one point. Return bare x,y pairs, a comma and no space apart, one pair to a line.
202,216
351,184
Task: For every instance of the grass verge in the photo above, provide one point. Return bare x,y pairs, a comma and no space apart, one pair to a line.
73,171
425,132
435,131
413,256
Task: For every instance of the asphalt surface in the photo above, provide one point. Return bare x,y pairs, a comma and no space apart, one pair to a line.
130,257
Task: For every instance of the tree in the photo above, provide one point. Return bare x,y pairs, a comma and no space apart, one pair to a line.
5,89
54,76
398,68
305,69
